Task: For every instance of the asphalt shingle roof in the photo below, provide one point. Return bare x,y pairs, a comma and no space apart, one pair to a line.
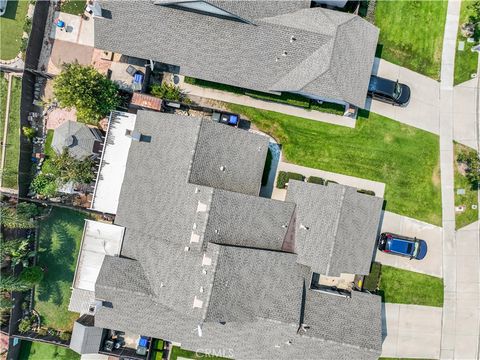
336,227
78,138
331,57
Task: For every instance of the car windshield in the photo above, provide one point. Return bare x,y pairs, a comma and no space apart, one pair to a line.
417,246
397,90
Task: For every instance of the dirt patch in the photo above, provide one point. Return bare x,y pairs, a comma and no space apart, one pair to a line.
436,176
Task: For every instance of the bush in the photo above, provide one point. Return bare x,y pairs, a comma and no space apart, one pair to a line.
42,332
268,166
27,210
284,177
65,336
168,92
330,182
470,158
367,192
27,25
316,180
29,132
370,282
45,184
25,324
32,275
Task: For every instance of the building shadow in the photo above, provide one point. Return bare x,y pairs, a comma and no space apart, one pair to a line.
11,10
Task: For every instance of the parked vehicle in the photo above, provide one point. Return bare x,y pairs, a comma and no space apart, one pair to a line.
389,91
402,246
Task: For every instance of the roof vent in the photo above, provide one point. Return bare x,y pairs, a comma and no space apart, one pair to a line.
187,248
204,271
197,303
285,226
303,227
284,53
162,285
201,289
94,306
70,141
276,59
293,38
216,231
133,134
223,168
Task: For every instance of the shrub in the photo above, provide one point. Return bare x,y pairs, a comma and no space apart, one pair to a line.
316,180
470,158
268,166
168,92
65,336
367,192
45,184
29,132
42,332
284,177
32,275
27,210
370,282
25,324
27,25
330,182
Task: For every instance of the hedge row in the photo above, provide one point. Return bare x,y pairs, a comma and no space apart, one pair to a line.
370,282
284,177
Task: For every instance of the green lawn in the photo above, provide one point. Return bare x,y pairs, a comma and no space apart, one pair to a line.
405,158
466,61
40,351
74,7
11,25
12,152
59,243
3,104
408,287
179,352
471,194
411,34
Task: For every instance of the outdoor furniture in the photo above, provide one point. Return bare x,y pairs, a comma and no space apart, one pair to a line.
137,81
131,70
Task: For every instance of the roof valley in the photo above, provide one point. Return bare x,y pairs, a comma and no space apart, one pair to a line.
335,231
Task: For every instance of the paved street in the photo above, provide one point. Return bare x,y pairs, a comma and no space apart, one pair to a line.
411,331
432,263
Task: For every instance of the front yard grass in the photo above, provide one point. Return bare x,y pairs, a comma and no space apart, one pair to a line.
11,28
40,351
380,149
466,61
12,151
59,243
471,193
178,352
411,34
408,287
3,104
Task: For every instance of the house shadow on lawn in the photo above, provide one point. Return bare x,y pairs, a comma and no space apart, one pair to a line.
11,11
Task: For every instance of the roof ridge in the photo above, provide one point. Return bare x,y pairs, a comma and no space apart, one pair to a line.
337,221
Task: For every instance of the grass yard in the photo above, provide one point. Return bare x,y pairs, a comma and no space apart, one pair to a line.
471,194
74,7
12,152
380,149
411,34
40,351
466,61
408,287
187,354
11,28
59,243
3,104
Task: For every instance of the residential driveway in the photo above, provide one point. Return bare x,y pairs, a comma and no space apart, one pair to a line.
402,225
411,331
465,128
423,109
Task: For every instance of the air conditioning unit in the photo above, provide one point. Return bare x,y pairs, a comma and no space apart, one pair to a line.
94,306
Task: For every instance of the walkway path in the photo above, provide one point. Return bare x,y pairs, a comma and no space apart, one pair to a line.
266,105
460,322
411,331
5,127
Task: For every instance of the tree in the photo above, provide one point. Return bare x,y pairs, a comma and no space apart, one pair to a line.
45,184
32,275
66,168
86,90
11,219
169,92
29,132
17,251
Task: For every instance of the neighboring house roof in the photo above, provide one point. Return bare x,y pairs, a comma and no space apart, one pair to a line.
78,138
86,338
284,47
179,278
336,227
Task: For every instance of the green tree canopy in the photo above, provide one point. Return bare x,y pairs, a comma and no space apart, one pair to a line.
66,168
86,90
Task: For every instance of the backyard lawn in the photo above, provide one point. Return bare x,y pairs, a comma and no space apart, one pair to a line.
466,61
411,34
471,194
74,7
408,287
187,354
380,149
59,243
12,152
3,104
40,351
11,25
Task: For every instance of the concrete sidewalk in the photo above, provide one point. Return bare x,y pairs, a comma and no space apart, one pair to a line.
266,105
411,331
402,225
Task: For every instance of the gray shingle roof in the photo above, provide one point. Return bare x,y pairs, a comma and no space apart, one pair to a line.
331,57
86,338
172,277
78,138
268,221
336,227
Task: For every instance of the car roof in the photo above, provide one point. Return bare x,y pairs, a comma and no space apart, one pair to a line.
400,245
381,85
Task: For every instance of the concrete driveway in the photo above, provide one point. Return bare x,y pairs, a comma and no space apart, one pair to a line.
411,331
402,225
423,109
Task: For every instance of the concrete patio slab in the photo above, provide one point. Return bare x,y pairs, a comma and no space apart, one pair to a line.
77,30
402,225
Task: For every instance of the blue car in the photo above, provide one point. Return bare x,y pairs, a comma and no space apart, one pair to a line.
402,246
